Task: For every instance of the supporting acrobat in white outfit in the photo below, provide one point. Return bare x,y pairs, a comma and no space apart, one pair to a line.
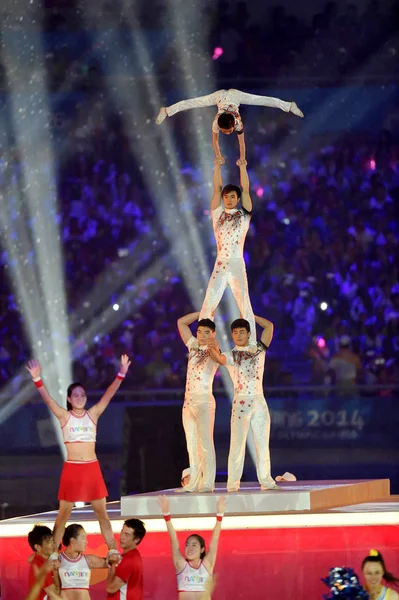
199,417
246,365
230,227
228,101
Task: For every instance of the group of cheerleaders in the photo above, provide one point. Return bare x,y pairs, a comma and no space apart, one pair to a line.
82,480
79,483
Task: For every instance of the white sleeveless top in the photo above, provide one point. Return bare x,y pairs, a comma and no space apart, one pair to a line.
79,428
385,594
192,580
74,572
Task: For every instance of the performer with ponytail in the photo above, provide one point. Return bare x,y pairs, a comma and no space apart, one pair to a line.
194,569
375,573
75,566
81,478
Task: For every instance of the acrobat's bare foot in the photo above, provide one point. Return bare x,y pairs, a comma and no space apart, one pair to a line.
296,111
161,116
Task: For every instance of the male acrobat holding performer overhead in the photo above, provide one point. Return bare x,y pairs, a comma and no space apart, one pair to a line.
246,363
199,404
228,118
230,225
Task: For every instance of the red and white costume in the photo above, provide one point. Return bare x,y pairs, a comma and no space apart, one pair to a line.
246,366
191,579
130,570
230,226
228,101
199,417
37,562
74,572
81,480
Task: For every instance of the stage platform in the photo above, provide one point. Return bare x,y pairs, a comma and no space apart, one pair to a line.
250,500
286,551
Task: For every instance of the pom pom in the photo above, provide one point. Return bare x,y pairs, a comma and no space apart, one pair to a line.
373,552
344,583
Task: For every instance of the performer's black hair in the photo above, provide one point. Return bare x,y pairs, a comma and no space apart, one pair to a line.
379,559
207,323
240,324
231,188
138,527
226,121
72,531
38,535
201,542
70,389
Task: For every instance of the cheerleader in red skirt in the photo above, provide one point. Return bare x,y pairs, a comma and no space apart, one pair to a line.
81,478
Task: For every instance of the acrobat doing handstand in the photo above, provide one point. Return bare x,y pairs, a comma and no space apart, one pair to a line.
228,118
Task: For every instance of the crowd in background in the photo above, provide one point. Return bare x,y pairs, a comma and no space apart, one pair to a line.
322,257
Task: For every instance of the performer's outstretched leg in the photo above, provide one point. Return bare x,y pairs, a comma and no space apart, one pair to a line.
190,429
260,426
239,424
216,287
64,512
100,510
237,280
205,418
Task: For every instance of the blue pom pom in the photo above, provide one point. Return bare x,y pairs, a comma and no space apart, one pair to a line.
344,583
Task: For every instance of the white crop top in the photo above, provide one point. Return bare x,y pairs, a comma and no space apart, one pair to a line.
79,428
192,580
74,572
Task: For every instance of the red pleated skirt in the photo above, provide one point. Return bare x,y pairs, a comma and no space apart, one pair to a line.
82,481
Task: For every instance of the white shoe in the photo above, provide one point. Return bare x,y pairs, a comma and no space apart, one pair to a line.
162,116
295,110
205,490
185,490
272,486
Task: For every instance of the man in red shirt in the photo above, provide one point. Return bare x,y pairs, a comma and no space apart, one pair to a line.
40,539
125,582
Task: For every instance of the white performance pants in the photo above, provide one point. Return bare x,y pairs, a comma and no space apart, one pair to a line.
234,274
198,423
249,411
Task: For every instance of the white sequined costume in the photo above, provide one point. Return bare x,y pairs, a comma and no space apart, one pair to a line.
199,417
246,366
230,227
228,101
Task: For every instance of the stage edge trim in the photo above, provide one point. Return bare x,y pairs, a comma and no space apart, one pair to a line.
10,530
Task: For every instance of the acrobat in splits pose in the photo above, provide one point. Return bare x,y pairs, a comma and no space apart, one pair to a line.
230,225
246,364
81,478
228,118
199,404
